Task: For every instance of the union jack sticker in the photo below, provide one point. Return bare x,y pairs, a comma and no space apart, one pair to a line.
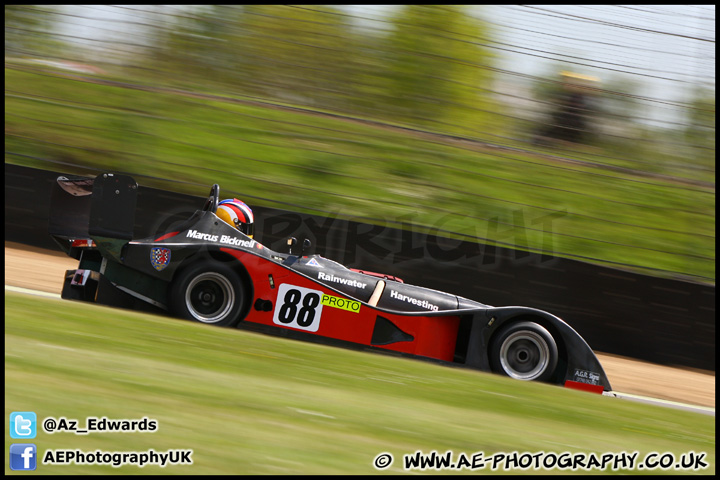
159,257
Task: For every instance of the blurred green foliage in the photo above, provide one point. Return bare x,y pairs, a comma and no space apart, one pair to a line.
322,164
299,107
29,31
426,68
700,133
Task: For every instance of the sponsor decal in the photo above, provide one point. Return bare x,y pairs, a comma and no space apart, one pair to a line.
341,303
313,263
298,307
159,258
420,303
224,239
329,277
238,242
586,377
202,236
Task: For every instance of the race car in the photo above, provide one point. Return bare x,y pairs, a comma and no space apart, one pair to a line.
210,269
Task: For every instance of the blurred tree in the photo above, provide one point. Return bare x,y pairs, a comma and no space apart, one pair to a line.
700,133
619,112
618,101
297,54
428,68
29,30
435,68
300,54
197,45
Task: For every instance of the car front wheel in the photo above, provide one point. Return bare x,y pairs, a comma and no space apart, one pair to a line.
524,351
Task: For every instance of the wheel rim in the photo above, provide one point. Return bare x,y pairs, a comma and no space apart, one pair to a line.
524,355
209,297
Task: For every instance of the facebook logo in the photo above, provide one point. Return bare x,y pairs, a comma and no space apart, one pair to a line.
23,425
23,456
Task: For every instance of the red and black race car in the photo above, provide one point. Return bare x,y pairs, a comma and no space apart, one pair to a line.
208,271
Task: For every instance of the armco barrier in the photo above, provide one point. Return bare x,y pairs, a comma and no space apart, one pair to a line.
664,321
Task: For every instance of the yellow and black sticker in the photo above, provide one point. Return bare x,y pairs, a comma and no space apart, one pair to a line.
342,303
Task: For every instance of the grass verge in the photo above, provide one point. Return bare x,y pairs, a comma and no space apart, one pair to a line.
253,404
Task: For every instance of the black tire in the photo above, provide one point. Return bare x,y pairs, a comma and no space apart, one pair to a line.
524,351
208,292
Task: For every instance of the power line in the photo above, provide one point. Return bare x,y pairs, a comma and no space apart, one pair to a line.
617,25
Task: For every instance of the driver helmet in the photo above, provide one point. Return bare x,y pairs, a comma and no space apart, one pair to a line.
237,214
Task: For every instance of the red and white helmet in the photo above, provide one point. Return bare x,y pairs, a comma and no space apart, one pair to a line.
237,214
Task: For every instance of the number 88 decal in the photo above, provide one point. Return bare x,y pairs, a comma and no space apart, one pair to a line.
298,307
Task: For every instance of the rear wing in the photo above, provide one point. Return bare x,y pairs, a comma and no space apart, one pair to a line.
82,207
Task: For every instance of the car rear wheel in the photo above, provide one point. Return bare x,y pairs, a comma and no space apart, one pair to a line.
524,351
210,293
